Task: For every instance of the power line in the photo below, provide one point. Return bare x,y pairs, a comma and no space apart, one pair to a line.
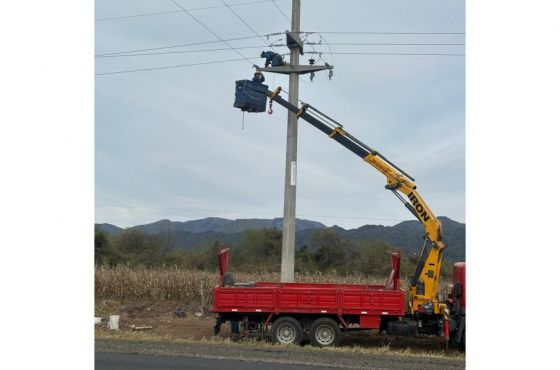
375,53
176,11
247,59
382,33
174,66
247,24
242,20
252,29
177,46
210,30
180,52
100,56
328,47
281,11
245,38
387,44
244,212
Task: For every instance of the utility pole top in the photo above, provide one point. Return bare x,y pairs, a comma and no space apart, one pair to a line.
294,43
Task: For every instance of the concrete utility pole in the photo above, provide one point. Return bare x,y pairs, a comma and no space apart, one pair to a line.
289,225
294,70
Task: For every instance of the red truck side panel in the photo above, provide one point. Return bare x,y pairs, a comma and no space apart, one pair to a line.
244,299
339,299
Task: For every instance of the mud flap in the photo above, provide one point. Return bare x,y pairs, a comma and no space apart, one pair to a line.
218,325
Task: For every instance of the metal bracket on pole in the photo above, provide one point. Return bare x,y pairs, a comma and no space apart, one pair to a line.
294,42
299,69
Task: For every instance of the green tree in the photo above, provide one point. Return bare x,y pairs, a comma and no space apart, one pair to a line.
101,246
105,251
332,252
374,258
138,248
304,260
258,250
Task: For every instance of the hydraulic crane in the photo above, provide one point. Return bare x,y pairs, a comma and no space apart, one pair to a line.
426,308
424,283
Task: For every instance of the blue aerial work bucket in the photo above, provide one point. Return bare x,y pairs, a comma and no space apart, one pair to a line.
250,96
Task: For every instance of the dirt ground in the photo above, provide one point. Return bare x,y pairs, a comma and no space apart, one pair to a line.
165,324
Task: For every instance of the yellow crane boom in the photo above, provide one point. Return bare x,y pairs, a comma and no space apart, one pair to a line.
423,297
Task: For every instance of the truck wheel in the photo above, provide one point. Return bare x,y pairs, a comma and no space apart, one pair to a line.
324,332
287,330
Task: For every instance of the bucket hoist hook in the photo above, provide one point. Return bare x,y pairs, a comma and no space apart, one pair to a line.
274,94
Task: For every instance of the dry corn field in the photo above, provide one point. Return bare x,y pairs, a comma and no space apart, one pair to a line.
194,287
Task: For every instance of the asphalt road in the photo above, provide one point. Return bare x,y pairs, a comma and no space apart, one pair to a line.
127,355
118,361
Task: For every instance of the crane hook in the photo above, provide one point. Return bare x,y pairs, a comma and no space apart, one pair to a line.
270,107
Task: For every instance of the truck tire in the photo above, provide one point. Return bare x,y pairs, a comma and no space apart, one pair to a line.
287,330
324,332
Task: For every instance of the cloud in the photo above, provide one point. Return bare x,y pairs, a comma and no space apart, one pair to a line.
172,141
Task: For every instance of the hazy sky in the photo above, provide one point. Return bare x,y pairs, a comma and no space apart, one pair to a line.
169,143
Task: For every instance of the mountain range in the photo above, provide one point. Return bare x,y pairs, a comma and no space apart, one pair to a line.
406,235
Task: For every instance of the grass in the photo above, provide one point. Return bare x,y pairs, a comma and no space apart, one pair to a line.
116,286
196,286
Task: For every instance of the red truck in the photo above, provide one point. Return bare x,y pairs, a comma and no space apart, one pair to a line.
323,310
288,311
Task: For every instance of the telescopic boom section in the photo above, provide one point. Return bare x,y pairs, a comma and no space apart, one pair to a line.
423,286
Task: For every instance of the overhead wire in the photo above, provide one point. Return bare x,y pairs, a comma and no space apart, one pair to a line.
181,51
257,36
212,32
172,66
243,21
177,11
312,44
235,49
378,53
281,11
178,45
387,44
246,59
383,33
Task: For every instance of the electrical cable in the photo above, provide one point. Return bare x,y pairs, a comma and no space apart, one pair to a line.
210,30
176,11
281,11
177,46
388,44
252,29
248,26
248,59
376,53
242,20
179,52
382,33
314,51
173,66
329,47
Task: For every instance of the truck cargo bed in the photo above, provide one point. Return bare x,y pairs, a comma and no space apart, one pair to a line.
371,301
